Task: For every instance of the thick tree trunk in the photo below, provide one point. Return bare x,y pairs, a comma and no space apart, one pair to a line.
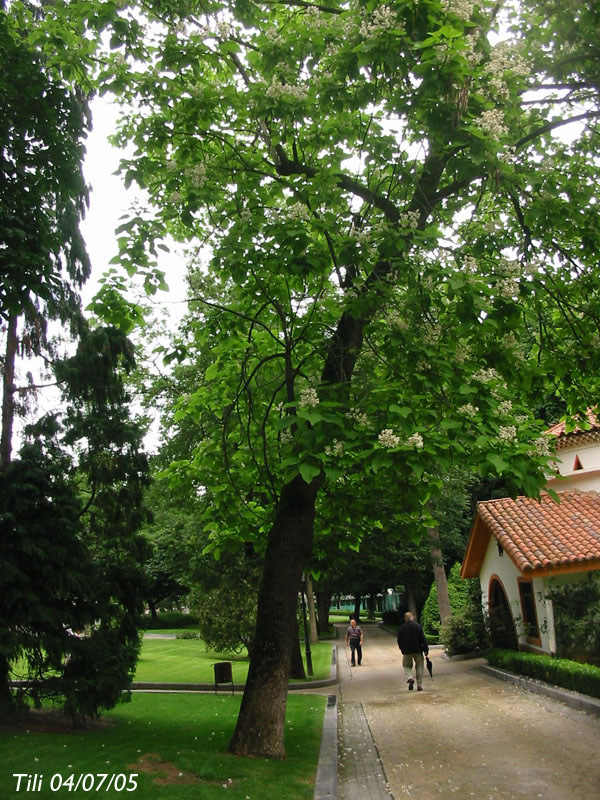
439,573
312,616
8,391
323,606
261,721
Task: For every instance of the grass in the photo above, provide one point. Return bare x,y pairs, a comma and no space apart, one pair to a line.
176,745
188,661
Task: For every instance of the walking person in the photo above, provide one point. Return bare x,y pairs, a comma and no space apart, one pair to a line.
414,648
354,637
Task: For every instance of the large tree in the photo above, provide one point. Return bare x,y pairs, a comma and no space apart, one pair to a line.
383,187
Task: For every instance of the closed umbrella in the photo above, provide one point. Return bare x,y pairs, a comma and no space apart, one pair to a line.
429,666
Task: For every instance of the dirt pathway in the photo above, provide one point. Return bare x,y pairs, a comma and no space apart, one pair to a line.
469,735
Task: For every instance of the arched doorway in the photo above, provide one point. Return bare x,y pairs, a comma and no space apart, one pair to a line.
502,627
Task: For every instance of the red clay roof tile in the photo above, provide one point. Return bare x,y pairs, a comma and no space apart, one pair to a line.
540,535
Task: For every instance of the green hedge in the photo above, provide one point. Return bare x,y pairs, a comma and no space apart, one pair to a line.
171,619
584,678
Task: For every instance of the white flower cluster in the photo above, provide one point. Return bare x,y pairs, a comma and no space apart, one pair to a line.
470,265
470,51
309,397
387,438
505,407
508,288
505,58
357,416
507,434
286,437
278,90
274,37
298,211
382,20
175,197
468,410
416,440
485,375
245,215
197,175
492,123
463,9
316,19
336,449
410,219
541,447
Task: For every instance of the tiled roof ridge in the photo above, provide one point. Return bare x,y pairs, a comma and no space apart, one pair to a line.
559,429
541,534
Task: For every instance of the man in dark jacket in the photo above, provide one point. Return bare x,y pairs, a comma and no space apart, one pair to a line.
413,644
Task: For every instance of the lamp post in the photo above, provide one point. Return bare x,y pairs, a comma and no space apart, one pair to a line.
309,666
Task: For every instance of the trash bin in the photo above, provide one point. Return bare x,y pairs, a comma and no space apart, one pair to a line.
223,674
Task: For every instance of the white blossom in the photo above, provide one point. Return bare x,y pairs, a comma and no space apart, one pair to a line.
410,219
357,416
286,437
278,90
382,20
336,449
416,440
463,9
485,375
507,433
468,410
387,438
492,123
541,447
197,175
309,397
505,407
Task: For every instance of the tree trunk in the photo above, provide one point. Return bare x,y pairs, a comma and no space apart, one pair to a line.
261,721
371,606
8,390
323,606
296,663
312,617
439,573
411,599
357,605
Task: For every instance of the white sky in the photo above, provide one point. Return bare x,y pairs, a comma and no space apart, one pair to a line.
109,201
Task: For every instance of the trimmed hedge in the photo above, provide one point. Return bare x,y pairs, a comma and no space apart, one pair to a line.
171,619
584,678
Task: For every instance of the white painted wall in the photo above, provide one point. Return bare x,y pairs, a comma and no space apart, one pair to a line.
507,572
586,479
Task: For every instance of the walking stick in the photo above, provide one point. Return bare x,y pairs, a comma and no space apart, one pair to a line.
348,662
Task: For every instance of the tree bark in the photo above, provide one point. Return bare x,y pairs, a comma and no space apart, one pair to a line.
439,573
296,663
323,606
357,605
8,391
312,617
261,721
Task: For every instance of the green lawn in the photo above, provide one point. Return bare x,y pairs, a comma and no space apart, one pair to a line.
175,746
187,661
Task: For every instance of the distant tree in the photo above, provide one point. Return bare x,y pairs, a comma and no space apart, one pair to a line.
70,506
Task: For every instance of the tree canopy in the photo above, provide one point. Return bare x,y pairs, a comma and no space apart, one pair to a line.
402,254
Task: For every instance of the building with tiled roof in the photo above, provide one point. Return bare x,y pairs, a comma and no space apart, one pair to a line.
521,547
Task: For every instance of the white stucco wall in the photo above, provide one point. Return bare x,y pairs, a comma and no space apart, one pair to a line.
503,567
586,479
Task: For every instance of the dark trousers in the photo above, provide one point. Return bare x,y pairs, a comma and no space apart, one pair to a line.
355,649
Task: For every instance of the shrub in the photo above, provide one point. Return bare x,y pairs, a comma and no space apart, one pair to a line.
172,619
562,672
577,619
465,631
459,591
